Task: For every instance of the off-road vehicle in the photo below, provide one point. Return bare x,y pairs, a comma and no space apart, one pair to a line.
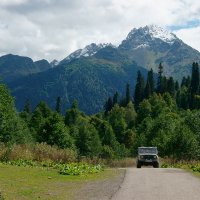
147,156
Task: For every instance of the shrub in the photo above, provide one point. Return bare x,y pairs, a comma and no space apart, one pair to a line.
44,152
17,152
2,151
1,196
79,169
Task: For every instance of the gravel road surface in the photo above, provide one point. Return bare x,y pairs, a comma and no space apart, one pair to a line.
159,184
101,189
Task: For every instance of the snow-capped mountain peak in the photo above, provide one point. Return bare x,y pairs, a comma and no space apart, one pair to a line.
161,33
89,50
155,32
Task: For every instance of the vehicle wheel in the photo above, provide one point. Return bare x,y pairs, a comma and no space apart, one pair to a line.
156,165
138,165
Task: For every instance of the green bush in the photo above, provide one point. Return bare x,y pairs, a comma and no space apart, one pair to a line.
79,169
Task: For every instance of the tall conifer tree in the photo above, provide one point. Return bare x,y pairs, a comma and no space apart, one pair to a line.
139,89
194,86
195,79
171,86
151,80
149,88
128,95
58,105
108,105
160,79
27,106
115,98
147,91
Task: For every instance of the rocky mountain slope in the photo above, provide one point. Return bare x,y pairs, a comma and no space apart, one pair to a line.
95,72
150,45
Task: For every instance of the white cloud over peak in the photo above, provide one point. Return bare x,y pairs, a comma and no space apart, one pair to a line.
190,36
54,28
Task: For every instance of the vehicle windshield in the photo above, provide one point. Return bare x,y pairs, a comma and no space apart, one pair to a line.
151,150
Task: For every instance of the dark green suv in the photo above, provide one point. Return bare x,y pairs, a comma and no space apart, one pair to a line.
147,156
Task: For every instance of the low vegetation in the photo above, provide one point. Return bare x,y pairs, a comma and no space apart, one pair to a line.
30,183
193,166
64,169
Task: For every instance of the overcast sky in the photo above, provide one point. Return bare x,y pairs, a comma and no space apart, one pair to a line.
52,29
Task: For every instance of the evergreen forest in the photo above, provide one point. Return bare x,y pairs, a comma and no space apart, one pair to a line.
162,112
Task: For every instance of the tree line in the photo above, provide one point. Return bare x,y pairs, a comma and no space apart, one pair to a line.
161,114
186,94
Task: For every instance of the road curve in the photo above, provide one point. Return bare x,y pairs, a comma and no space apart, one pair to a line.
159,184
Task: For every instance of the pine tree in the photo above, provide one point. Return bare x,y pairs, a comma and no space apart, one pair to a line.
27,107
128,95
160,79
108,105
147,91
194,86
139,89
151,80
72,114
58,105
74,104
164,85
115,98
188,81
26,114
176,86
183,82
149,88
171,86
195,79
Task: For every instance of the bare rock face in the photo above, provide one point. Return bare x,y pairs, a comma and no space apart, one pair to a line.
150,45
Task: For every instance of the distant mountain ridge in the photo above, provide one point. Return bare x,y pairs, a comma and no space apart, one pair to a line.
90,80
95,72
87,51
13,67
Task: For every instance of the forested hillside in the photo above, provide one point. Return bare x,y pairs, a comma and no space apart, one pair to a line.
95,72
161,114
89,80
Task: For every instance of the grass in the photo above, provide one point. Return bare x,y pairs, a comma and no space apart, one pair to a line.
25,183
190,166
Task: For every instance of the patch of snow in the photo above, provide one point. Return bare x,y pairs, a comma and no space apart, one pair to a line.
141,46
89,50
155,32
158,32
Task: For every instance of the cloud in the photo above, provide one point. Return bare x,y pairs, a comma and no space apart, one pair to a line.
190,36
54,28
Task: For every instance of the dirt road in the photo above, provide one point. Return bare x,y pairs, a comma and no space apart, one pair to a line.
159,184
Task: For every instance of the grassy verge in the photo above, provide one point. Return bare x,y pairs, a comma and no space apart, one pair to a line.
31,183
192,166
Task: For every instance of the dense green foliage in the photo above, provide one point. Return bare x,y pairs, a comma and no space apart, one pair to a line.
89,80
13,67
64,169
12,128
166,116
79,169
